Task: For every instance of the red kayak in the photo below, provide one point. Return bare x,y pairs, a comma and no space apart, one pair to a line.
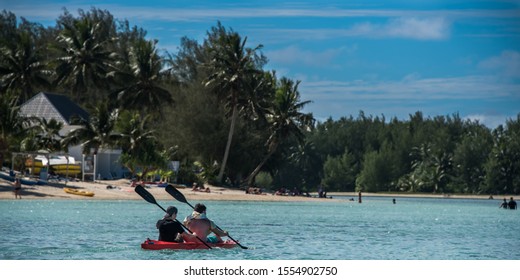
160,245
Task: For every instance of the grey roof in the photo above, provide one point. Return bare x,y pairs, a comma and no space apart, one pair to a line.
53,106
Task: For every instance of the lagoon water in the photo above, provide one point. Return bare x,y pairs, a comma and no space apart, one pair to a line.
411,229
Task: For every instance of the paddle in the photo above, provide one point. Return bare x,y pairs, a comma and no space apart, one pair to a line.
180,197
149,197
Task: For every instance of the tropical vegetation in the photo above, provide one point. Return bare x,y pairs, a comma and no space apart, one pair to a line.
213,107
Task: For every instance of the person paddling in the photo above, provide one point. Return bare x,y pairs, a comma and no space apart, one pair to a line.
200,225
171,230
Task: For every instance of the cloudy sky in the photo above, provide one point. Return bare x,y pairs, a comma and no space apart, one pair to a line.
383,57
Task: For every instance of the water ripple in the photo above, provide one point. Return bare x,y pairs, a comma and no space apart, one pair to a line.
376,229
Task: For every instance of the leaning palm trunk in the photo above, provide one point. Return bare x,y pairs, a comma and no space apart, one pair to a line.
251,178
228,145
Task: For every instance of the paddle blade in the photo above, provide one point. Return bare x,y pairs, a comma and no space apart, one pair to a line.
145,194
176,193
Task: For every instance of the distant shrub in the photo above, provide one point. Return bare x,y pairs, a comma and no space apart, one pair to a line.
264,180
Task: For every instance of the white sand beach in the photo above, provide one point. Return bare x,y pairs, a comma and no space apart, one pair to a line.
121,190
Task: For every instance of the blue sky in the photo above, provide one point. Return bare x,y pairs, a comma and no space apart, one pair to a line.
389,58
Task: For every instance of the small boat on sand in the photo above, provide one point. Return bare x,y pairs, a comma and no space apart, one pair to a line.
78,192
24,181
58,164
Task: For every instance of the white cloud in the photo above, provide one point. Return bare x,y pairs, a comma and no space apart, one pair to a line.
412,87
295,55
491,121
415,28
507,63
172,13
411,28
432,96
406,28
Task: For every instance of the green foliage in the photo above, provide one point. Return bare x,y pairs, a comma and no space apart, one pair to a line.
22,65
503,166
84,58
230,111
378,171
206,172
187,174
11,125
264,180
97,132
285,120
340,172
431,168
469,161
141,80
47,135
232,68
300,166
141,150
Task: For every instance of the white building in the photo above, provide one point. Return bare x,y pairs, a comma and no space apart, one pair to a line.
61,108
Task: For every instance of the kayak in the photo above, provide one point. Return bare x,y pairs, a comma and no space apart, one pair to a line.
24,181
57,164
160,245
78,192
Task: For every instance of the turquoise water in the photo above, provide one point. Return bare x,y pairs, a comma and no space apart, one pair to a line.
412,229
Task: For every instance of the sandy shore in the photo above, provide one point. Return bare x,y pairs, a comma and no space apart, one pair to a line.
121,190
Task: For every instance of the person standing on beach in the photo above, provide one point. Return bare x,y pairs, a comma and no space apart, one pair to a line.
320,191
359,196
504,204
17,188
201,226
512,204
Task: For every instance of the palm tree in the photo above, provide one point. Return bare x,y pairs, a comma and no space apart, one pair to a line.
10,119
47,134
22,66
142,83
139,144
285,120
307,161
95,133
231,70
85,59
441,163
431,166
11,123
133,130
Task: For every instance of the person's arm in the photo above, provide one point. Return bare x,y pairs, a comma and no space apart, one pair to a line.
217,231
186,221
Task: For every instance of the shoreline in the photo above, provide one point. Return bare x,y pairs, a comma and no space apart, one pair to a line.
121,190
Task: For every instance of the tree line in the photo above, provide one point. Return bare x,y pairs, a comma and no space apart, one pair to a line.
443,154
142,99
213,107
